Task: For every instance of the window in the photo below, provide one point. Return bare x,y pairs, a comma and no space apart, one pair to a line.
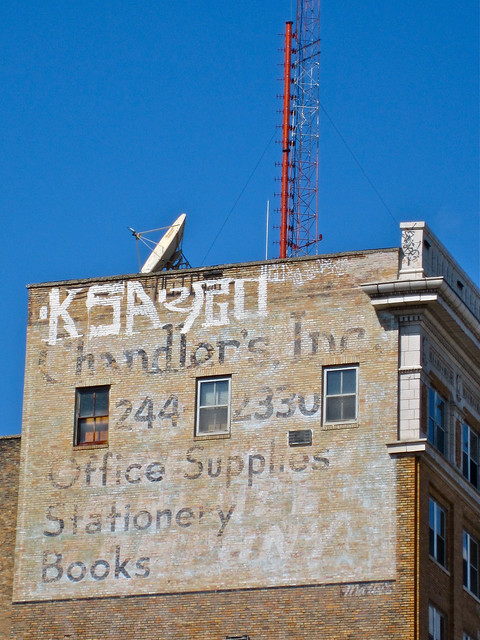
470,455
436,624
213,406
91,411
437,519
340,394
436,421
470,563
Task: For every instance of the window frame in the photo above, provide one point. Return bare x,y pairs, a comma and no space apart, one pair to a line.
470,567
437,623
437,532
326,396
437,425
199,407
79,391
471,455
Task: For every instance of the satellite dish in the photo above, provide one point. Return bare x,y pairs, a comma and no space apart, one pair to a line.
166,254
163,255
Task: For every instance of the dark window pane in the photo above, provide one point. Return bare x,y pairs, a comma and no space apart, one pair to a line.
101,402
474,474
440,550
206,419
207,394
473,552
431,402
334,382
222,392
334,409
442,628
213,419
101,429
86,430
221,418
349,381
441,522
439,413
440,440
474,580
474,440
349,408
466,465
86,403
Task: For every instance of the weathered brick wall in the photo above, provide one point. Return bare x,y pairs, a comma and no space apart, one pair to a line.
337,612
452,370
443,586
406,602
9,473
384,610
160,511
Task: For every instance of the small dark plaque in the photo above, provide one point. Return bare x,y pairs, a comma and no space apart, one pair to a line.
300,438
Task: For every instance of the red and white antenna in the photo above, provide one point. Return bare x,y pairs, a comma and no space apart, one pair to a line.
299,229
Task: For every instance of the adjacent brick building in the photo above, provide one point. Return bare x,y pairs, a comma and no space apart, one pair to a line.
9,473
285,449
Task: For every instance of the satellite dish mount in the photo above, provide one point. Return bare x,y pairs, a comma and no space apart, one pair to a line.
167,253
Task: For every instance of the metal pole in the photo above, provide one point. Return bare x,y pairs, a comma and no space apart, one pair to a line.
286,141
266,234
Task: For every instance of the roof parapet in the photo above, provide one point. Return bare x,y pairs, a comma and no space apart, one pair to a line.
424,256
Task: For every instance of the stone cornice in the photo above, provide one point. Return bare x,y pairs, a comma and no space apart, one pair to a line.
431,296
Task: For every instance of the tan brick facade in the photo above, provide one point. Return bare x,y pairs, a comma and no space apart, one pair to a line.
9,475
171,533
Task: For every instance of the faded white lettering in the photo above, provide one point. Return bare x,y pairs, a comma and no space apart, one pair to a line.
108,295
145,308
196,308
59,310
211,319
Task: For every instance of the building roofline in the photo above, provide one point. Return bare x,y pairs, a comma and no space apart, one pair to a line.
191,270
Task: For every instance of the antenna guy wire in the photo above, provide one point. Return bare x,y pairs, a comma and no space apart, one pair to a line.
357,162
239,196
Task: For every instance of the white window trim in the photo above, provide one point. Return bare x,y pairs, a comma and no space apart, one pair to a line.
438,507
200,381
324,398
468,539
438,426
435,618
467,451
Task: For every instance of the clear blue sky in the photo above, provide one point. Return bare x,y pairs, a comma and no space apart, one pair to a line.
117,114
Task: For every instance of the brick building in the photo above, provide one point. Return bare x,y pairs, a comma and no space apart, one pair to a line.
285,449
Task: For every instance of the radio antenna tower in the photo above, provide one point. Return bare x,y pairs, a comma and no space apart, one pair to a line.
299,232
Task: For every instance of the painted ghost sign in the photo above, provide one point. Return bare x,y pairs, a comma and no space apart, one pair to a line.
161,509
